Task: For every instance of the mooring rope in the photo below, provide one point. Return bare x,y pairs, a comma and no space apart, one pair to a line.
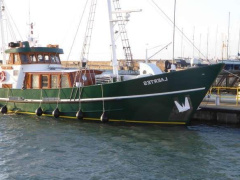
102,98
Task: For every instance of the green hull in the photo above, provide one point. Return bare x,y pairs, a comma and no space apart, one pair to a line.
169,98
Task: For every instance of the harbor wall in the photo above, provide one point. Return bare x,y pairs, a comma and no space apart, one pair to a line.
215,114
107,65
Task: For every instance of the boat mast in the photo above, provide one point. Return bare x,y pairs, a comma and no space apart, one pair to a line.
228,35
88,32
114,60
207,43
2,9
239,43
31,39
173,67
182,45
193,40
174,30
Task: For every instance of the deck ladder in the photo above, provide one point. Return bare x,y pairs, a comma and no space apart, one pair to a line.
123,33
88,33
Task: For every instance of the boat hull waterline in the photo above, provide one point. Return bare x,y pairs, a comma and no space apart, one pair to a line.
169,98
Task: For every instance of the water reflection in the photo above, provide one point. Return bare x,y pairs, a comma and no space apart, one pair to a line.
46,148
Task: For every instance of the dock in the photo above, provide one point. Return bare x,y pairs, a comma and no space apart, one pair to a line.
223,113
219,108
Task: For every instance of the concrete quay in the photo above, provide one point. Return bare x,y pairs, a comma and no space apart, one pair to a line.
227,113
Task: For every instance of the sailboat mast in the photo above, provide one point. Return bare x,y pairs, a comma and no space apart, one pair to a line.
114,60
207,43
2,9
174,30
228,35
239,43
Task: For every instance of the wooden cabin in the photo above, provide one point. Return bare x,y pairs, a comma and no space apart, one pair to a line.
40,67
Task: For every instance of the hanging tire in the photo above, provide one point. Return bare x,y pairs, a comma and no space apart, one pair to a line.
4,109
56,113
79,115
39,111
104,118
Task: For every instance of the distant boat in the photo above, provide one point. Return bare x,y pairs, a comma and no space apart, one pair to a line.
34,82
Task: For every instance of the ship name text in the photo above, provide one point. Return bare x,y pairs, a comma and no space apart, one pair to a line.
154,81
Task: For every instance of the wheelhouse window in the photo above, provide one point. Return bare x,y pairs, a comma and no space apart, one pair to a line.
24,58
46,57
52,57
44,81
33,58
64,81
40,58
14,59
35,81
54,81
17,59
57,59
11,59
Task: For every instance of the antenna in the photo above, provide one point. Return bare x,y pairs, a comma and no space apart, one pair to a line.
31,37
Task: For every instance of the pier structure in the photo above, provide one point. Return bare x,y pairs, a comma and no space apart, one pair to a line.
220,105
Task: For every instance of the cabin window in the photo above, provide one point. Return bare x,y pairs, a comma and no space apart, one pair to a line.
35,81
14,59
46,57
44,81
40,58
8,58
17,59
33,58
11,59
54,81
24,58
64,81
52,58
57,59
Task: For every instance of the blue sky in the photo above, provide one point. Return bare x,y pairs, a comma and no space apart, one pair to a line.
56,22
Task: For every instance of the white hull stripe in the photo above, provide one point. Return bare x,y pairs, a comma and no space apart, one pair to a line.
111,98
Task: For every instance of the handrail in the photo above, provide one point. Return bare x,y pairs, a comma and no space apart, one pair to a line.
219,89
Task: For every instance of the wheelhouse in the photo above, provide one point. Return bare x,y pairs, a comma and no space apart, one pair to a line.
40,68
21,53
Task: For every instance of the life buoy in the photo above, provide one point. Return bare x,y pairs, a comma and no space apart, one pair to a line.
2,76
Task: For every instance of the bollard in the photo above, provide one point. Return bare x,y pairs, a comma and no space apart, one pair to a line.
217,101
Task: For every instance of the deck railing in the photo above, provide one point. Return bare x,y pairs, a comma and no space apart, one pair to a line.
229,94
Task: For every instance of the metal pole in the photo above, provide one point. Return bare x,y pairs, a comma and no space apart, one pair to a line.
2,9
228,35
174,30
114,60
239,43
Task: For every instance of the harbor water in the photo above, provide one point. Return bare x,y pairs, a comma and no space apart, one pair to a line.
46,148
